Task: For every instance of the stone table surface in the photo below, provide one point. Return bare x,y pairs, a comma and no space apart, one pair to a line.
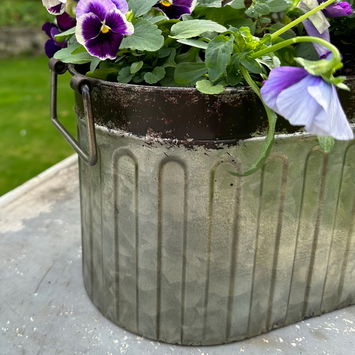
43,305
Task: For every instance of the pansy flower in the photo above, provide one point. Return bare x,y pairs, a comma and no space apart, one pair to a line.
52,46
174,9
340,9
306,100
101,26
64,22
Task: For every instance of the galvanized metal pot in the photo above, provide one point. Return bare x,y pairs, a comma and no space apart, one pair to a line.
177,249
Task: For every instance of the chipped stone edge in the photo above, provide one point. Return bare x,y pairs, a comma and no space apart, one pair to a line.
38,180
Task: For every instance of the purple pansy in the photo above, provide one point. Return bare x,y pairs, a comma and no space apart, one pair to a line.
52,46
339,9
64,23
101,26
306,100
174,9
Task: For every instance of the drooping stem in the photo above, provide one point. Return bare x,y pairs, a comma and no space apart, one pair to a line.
335,62
269,140
298,20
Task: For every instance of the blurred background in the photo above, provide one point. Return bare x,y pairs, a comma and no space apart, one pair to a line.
29,143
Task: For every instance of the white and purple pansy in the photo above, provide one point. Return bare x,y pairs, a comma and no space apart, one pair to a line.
55,7
174,9
101,26
306,100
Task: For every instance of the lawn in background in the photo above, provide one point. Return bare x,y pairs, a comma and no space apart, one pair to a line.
29,143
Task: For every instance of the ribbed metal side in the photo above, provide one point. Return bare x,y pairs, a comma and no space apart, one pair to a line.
177,249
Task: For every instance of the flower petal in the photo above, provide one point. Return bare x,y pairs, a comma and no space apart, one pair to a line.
280,79
332,120
296,105
121,5
177,8
54,31
51,47
185,3
88,27
54,7
98,7
56,10
65,22
339,9
118,23
105,46
312,31
47,28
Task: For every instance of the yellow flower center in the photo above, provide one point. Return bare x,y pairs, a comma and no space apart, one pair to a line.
105,28
166,3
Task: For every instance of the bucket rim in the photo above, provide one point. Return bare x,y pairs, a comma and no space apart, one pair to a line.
143,87
180,89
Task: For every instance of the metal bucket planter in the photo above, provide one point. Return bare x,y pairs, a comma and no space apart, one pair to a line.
177,249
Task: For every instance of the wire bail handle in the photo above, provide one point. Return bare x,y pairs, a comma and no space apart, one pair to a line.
82,86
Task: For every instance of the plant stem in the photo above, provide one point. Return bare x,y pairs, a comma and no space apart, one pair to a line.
335,62
269,140
300,19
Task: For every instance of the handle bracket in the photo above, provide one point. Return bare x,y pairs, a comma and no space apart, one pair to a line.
90,157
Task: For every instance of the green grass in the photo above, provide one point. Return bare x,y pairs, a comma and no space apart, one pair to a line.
29,143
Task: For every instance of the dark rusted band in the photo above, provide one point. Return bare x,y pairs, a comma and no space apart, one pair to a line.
183,114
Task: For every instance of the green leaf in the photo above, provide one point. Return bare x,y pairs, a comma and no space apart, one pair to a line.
326,143
155,76
315,67
94,64
226,16
245,41
252,65
104,74
194,43
73,54
206,87
192,55
124,75
141,7
210,3
218,56
279,5
146,37
64,35
237,4
136,67
260,8
194,28
188,73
